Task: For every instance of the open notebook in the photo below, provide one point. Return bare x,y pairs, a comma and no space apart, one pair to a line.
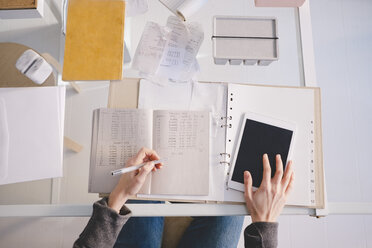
222,100
227,104
181,138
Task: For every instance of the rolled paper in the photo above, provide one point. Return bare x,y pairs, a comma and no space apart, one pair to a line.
33,66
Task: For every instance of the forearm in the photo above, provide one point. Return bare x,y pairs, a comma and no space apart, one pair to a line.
261,234
103,227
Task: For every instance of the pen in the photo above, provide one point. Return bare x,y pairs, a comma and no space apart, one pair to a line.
133,168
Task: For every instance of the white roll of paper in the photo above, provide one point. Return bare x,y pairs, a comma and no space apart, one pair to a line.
189,7
33,66
183,8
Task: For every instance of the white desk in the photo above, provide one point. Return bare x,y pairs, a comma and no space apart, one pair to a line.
167,209
295,67
342,39
295,52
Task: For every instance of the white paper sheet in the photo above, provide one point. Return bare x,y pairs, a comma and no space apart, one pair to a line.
150,48
204,96
120,135
171,96
35,122
168,52
290,104
180,52
182,139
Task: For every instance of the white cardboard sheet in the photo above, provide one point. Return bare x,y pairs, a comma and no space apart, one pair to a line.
35,120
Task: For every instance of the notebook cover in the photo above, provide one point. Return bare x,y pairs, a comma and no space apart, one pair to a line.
94,40
320,192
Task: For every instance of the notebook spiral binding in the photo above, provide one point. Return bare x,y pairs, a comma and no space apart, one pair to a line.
227,118
225,162
226,156
226,125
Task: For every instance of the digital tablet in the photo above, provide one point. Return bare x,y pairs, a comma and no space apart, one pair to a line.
259,135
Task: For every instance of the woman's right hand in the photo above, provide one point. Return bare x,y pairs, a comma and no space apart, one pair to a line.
266,203
130,183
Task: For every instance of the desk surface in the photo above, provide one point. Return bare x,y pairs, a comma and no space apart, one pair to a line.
289,70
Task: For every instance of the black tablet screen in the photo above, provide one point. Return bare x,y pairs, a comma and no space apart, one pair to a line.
260,138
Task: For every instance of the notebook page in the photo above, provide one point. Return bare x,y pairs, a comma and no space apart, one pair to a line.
200,96
290,104
181,138
119,135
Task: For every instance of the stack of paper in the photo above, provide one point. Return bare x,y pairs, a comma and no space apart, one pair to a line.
31,133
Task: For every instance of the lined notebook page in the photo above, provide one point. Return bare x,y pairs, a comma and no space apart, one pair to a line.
209,97
118,134
181,138
290,104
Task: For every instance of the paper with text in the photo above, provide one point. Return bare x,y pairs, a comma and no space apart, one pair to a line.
180,52
209,97
150,48
169,52
181,138
119,135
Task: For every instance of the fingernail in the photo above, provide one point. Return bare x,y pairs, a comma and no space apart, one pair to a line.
278,155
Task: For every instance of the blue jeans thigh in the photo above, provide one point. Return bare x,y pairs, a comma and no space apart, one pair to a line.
141,232
216,232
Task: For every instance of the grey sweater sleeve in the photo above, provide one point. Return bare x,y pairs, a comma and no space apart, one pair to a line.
261,234
103,227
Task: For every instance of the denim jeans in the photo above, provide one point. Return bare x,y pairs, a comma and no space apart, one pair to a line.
204,232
